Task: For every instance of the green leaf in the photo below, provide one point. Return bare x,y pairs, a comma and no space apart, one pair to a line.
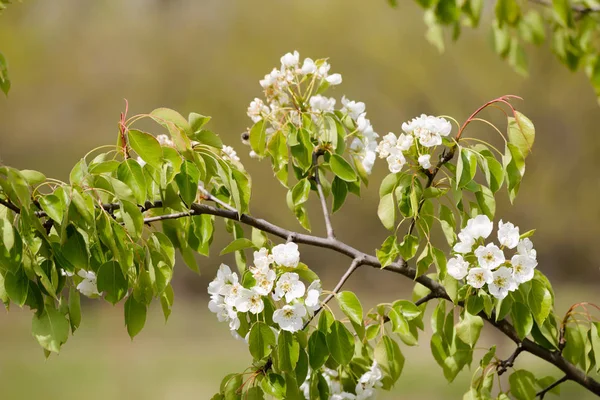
131,173
563,13
288,351
166,301
401,326
595,341
318,352
231,386
32,177
51,329
300,192
350,305
187,181
469,328
112,282
16,285
197,121
147,147
522,319
486,201
341,168
11,246
540,301
340,343
387,211
258,137
135,316
339,190
238,244
425,260
4,78
388,252
274,385
507,11
448,224
466,167
261,340
521,133
409,246
132,219
522,384
390,360
74,308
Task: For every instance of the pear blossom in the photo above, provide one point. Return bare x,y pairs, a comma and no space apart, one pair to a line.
523,267
225,312
290,286
264,282
458,267
425,161
230,153
290,60
289,317
508,234
286,254
353,108
88,286
249,300
313,293
396,162
478,277
224,278
465,243
479,227
322,104
489,256
232,292
334,79
308,67
257,109
262,259
428,130
525,248
404,142
387,143
502,283
164,140
368,160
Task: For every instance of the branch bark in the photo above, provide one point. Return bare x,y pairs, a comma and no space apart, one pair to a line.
542,393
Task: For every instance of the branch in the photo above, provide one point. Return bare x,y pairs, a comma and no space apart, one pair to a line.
504,365
357,262
576,8
315,163
542,393
426,298
8,204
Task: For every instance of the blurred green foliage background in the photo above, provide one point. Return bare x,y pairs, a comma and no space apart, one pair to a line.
73,62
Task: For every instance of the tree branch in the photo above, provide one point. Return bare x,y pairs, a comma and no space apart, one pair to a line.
504,365
426,298
8,204
542,393
315,163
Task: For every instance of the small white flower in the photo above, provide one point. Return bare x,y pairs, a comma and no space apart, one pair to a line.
224,277
64,272
372,377
264,282
478,277
308,67
368,161
479,227
322,104
523,267
290,60
334,79
232,292
249,300
425,161
490,257
257,109
502,283
290,286
230,153
396,162
323,70
353,108
508,234
342,396
465,243
286,254
388,142
458,267
262,259
313,293
525,248
289,317
88,286
164,140
404,142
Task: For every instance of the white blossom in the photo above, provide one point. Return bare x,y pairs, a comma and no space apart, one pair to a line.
249,300
257,109
525,248
368,160
478,277
334,79
308,67
425,161
290,286
230,153
508,234
396,162
387,145
523,267
164,140
457,267
313,293
289,317
404,142
428,130
224,277
465,243
489,256
322,104
502,282
353,108
290,60
262,259
232,292
479,227
286,254
88,286
225,312
264,282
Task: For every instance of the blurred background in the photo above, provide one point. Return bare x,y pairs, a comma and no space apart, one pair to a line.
73,62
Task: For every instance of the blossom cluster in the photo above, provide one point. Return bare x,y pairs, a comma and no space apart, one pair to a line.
486,264
420,136
296,303
294,90
89,282
365,388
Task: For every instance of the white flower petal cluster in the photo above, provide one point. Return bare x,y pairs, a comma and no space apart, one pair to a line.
365,389
229,153
428,130
487,264
271,277
88,286
294,89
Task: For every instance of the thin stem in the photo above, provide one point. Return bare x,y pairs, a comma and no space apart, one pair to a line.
326,217
357,262
8,204
425,299
542,393
210,197
504,365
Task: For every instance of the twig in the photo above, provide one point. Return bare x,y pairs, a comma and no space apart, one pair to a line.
426,298
8,204
169,216
542,393
504,365
210,197
357,262
315,163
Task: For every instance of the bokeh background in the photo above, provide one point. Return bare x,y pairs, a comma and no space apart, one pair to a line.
73,62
